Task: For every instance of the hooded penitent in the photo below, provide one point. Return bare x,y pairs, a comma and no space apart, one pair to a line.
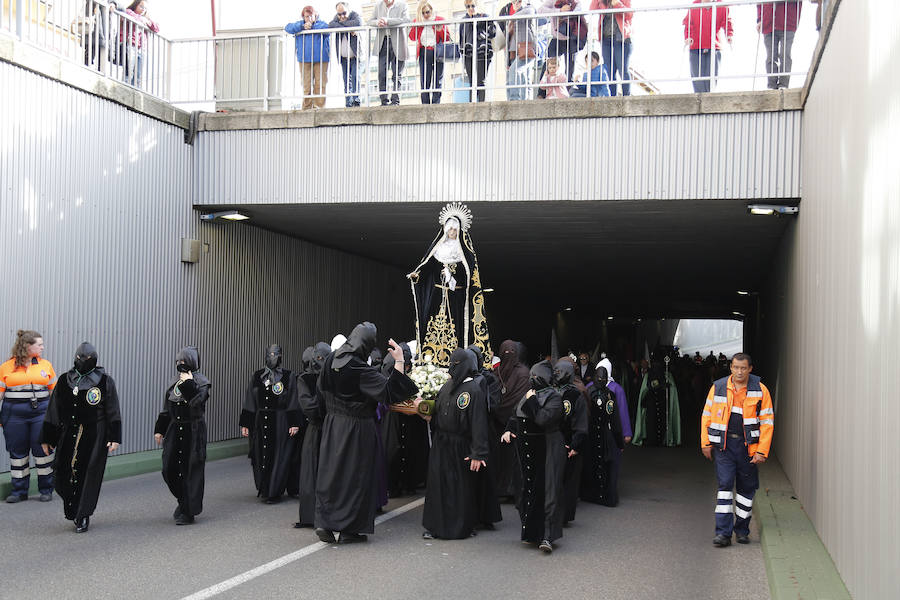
306,360
360,344
187,360
85,373
272,371
462,365
541,375
563,373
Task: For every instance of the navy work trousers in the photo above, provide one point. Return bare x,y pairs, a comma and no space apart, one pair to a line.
738,481
22,426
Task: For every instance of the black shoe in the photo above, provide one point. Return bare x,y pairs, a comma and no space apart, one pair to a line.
721,541
546,547
299,525
82,524
273,500
488,526
178,512
184,519
15,498
743,539
325,535
46,497
351,538
427,535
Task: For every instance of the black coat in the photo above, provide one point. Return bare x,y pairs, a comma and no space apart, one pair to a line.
542,455
345,483
477,38
268,412
183,425
605,443
574,427
79,427
460,431
312,408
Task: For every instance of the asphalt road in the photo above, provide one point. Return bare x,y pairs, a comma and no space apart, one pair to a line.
656,544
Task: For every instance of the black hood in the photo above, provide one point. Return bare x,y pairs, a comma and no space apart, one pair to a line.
541,375
274,357
389,361
601,376
307,359
563,373
360,344
376,358
85,358
320,353
462,365
189,358
479,356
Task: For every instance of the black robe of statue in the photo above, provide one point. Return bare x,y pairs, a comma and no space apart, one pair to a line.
313,410
459,429
183,425
605,442
485,488
268,412
346,487
575,431
542,455
79,426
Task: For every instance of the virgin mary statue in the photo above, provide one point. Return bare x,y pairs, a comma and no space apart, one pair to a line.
447,294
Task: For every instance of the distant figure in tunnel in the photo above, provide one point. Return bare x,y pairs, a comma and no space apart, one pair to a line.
736,433
658,421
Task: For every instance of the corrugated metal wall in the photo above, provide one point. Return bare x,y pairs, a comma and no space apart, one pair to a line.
836,305
93,204
740,155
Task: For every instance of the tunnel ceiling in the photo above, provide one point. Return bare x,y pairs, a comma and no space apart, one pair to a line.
640,258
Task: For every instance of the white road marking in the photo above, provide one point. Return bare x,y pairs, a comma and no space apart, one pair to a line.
289,558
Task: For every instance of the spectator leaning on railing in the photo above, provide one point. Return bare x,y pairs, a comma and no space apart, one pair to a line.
614,32
313,52
477,48
427,37
569,33
777,23
699,35
521,40
131,36
347,50
389,16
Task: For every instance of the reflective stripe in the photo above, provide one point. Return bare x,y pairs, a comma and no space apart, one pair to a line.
725,495
737,410
714,438
16,474
53,381
708,403
18,462
720,399
766,411
751,421
744,514
26,395
723,508
28,387
751,394
43,460
706,413
719,426
748,502
767,422
754,433
44,470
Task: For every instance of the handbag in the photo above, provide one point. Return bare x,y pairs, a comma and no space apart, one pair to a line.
525,50
82,26
447,51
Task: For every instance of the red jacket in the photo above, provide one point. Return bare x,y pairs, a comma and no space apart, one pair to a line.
622,19
780,16
698,26
440,33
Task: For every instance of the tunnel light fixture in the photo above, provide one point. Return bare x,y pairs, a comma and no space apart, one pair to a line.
737,313
568,309
228,215
609,318
743,293
772,209
487,290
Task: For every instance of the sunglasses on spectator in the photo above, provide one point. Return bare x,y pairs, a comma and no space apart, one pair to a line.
470,6
342,14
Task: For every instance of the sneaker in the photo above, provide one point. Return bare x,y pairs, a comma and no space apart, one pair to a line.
743,538
325,535
46,497
15,498
546,547
721,541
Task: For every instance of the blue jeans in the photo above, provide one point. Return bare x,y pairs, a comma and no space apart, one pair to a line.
431,73
617,57
700,67
348,68
734,471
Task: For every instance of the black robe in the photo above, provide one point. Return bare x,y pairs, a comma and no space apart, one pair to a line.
542,455
313,409
605,443
183,425
79,427
507,480
346,487
268,412
575,431
485,488
459,430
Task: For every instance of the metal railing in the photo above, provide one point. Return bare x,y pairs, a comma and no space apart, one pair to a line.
539,52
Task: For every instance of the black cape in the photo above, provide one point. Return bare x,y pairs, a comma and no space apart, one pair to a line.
79,426
605,443
345,483
542,455
268,412
183,425
313,409
460,430
575,431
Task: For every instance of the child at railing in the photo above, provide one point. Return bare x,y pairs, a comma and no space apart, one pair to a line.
593,78
554,83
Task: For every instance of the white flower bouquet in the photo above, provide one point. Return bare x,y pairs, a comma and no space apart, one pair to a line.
429,378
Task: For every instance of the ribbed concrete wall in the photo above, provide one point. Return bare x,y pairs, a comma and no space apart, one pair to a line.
836,305
93,204
708,156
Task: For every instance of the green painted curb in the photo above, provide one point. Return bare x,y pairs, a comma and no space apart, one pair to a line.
798,564
138,463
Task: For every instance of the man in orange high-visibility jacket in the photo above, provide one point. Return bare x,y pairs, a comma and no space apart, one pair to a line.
736,433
